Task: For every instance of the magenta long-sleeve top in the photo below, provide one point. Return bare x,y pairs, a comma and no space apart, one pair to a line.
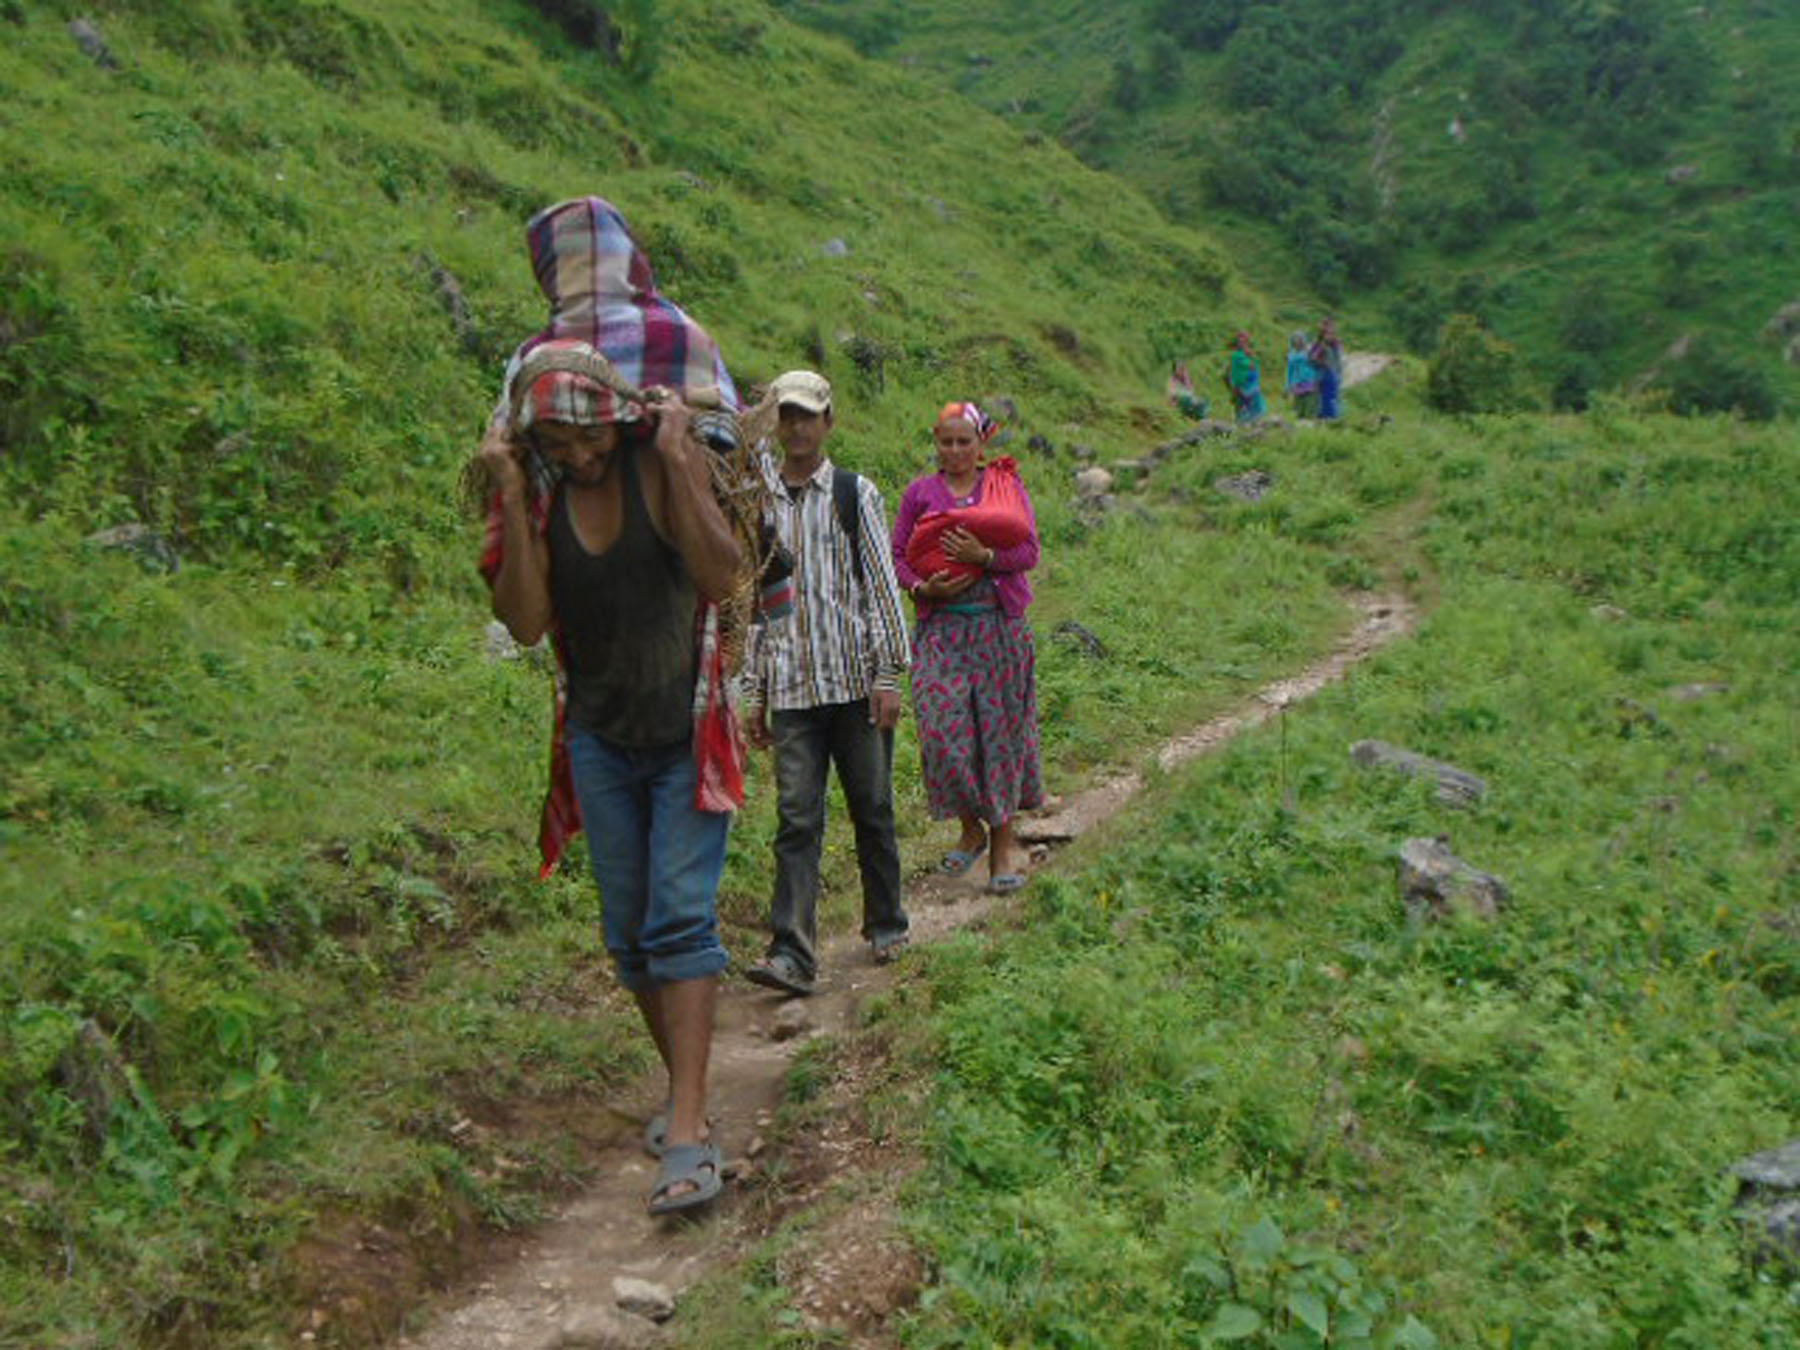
932,493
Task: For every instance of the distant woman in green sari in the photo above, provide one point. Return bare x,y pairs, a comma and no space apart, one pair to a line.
1244,376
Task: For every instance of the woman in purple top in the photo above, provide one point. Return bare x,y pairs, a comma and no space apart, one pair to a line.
974,685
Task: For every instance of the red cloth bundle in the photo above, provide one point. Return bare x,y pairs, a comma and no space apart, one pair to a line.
998,520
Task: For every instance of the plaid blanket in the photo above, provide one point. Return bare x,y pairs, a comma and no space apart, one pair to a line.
602,292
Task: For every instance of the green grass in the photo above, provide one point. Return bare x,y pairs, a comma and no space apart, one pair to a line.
1514,1134
275,966
275,969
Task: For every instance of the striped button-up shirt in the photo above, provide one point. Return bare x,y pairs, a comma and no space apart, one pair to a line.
842,638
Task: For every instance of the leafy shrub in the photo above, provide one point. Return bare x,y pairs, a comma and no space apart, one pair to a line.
1711,379
1587,318
1198,27
1474,371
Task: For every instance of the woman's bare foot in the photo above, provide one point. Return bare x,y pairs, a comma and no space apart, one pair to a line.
974,836
1003,853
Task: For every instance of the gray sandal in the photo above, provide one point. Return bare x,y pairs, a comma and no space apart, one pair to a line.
657,1131
697,1165
781,972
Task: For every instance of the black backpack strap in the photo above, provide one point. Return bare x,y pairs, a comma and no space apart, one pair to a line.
849,513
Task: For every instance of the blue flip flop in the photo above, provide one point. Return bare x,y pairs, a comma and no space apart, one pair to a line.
1005,884
960,860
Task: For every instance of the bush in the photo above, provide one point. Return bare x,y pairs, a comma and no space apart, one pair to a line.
1710,379
1474,371
1204,28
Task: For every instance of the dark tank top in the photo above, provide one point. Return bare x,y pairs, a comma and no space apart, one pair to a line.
627,620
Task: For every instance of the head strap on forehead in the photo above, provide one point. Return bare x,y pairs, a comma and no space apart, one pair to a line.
571,382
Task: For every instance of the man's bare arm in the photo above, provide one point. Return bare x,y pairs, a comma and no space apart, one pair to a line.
694,522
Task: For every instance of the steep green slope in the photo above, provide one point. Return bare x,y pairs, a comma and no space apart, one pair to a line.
177,260
272,965
1597,182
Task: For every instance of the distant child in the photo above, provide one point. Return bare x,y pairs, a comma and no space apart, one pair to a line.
1182,395
1302,379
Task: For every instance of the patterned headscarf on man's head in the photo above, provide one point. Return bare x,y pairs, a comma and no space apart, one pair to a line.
558,394
984,425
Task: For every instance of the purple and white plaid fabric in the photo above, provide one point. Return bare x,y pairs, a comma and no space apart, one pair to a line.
602,292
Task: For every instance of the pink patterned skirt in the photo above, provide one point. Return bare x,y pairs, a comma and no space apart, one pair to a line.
974,689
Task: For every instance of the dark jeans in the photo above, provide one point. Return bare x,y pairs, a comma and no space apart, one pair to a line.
806,740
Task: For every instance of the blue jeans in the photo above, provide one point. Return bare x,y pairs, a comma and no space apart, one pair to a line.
807,742
656,857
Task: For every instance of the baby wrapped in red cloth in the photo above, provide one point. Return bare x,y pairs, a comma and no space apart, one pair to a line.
999,520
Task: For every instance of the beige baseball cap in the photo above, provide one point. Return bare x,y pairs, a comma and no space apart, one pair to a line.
801,389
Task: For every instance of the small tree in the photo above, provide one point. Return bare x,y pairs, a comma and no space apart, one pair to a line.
1474,371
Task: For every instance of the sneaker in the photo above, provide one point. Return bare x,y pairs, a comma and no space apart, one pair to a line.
885,950
782,972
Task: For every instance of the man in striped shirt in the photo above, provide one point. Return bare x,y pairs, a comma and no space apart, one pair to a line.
824,686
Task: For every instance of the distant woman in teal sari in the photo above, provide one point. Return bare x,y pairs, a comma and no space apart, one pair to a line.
1244,376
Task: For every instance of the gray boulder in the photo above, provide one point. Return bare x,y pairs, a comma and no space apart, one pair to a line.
87,37
1080,637
1435,883
1768,1201
153,552
1455,787
1250,486
1093,482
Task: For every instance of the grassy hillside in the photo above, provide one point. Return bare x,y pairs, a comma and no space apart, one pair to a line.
284,1018
1218,1086
1596,182
276,986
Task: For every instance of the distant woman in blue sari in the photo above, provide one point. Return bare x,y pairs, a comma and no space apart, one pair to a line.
1328,360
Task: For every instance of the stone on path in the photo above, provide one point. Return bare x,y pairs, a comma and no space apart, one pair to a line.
793,1020
643,1299
1435,883
601,1328
1455,787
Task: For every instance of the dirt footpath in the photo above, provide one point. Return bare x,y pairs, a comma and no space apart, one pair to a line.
1361,366
563,1284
